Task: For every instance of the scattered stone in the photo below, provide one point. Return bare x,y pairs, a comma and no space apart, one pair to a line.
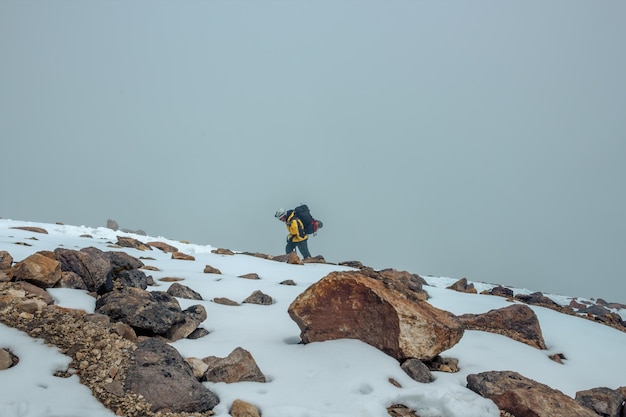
33,290
163,247
450,365
290,258
150,268
171,279
394,383
198,333
222,251
517,321
148,313
574,303
417,370
353,264
400,410
558,358
198,367
293,258
71,279
258,297
129,242
91,264
280,258
603,401
537,298
6,359
183,291
31,229
462,286
501,291
252,275
6,260
112,224
319,259
193,317
210,270
258,255
119,260
225,301
522,396
288,282
132,278
159,374
241,408
411,285
182,256
239,366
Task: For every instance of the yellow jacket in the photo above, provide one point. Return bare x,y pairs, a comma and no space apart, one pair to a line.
295,228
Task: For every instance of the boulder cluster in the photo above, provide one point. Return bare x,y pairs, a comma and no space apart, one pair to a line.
121,351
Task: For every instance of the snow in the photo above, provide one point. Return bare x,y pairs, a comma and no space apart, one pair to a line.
341,378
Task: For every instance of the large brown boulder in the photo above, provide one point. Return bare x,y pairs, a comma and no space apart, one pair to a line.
39,270
524,397
356,306
517,321
165,380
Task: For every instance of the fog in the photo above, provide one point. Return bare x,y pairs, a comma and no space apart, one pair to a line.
484,140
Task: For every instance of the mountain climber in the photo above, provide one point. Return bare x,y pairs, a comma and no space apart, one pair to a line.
297,237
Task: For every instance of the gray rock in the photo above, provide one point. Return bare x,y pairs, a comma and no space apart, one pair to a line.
165,380
148,313
417,370
258,297
604,401
182,291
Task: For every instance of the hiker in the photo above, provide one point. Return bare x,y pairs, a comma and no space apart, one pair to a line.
297,237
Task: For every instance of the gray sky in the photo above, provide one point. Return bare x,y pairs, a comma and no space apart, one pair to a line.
480,139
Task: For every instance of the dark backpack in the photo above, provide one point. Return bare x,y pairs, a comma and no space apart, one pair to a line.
310,224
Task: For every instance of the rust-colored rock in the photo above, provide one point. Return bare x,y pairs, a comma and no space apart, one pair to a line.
182,256
31,229
293,258
129,242
524,397
222,251
208,269
463,286
239,366
243,409
38,269
355,306
163,246
517,321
